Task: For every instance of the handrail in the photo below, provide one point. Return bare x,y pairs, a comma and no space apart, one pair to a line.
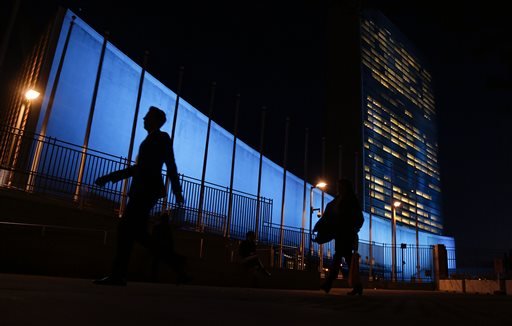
45,226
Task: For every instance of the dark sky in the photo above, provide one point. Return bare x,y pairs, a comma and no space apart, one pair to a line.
272,53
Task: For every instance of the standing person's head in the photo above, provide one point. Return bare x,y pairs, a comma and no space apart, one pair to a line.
154,119
345,188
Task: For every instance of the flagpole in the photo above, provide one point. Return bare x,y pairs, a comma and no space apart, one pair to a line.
205,159
134,129
173,132
303,235
227,229
281,233
90,118
262,138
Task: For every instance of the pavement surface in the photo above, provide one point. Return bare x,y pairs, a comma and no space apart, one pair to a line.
39,300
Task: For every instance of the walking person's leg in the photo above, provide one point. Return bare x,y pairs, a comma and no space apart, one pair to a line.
349,254
132,227
334,269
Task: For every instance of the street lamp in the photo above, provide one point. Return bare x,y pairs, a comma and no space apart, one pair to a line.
395,205
30,96
12,157
320,185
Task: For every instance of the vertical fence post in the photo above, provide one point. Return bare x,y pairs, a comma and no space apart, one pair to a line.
89,120
227,227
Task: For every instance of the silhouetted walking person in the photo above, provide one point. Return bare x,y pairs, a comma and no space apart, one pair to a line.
146,188
346,220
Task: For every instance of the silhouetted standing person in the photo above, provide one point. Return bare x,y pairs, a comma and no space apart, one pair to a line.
146,188
346,221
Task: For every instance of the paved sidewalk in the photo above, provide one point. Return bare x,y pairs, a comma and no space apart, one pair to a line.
37,300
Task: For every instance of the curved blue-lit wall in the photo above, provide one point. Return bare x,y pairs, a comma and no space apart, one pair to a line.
113,118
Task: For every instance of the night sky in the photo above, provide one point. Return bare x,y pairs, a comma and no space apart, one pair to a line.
272,52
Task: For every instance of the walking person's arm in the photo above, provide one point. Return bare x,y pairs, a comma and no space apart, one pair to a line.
116,176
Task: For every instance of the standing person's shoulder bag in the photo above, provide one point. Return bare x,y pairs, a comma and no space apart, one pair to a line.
325,229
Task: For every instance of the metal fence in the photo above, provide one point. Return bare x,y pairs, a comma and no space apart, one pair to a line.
412,263
51,166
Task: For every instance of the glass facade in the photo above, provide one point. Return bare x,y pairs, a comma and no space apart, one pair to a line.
399,131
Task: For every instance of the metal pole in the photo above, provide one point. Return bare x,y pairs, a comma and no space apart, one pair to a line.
8,31
303,235
262,138
311,208
89,120
281,229
393,243
176,104
232,177
321,247
173,131
134,129
370,217
340,162
356,173
39,147
205,159
418,266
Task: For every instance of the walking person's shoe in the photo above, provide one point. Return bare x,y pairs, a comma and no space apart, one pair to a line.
110,280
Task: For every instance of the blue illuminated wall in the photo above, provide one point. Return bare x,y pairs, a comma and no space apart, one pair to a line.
113,118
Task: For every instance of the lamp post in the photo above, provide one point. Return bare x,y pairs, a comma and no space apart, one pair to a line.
320,185
29,96
395,205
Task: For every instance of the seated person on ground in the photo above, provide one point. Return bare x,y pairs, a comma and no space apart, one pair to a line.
247,253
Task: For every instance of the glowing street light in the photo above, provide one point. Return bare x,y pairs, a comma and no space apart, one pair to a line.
321,185
32,94
395,205
29,96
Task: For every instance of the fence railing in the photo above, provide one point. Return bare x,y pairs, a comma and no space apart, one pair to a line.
51,166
